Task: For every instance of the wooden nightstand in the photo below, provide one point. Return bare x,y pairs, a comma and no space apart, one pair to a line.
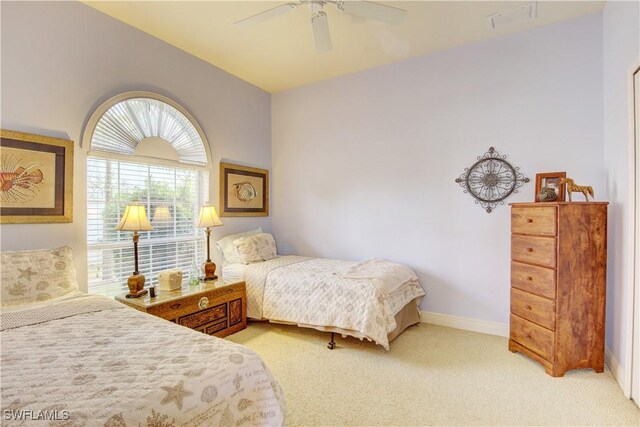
215,308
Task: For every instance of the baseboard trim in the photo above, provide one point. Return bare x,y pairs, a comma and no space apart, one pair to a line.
615,368
465,323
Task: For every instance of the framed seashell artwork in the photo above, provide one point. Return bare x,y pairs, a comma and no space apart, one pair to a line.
36,179
244,191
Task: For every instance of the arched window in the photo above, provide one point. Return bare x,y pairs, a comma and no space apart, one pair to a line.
143,147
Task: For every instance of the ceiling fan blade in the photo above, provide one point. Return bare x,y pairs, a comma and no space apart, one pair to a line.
376,11
321,34
267,14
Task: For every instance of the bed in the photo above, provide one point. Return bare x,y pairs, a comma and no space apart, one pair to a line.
374,299
88,360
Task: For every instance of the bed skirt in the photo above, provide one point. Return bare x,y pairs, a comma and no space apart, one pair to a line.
409,315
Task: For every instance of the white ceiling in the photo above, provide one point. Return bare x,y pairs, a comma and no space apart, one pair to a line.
279,54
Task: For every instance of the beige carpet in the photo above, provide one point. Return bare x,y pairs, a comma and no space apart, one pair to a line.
432,376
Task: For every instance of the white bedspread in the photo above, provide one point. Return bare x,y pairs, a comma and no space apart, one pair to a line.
307,291
110,365
388,274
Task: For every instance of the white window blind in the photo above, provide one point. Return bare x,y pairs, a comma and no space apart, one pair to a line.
172,198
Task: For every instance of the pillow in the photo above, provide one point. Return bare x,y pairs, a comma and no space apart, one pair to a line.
225,245
34,276
256,248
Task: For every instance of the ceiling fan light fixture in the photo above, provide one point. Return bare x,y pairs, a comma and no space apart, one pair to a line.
322,38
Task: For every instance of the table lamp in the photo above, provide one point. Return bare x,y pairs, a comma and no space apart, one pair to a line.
135,219
209,218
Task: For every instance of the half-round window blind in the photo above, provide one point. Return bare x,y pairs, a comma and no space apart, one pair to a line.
145,148
147,125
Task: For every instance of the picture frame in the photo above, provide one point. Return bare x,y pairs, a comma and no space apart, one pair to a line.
552,180
244,191
36,178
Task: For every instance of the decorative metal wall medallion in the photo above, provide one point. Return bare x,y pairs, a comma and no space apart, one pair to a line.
491,179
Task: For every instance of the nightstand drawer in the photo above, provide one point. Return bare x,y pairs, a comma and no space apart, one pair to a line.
205,316
534,337
534,250
216,327
539,310
192,303
535,221
536,280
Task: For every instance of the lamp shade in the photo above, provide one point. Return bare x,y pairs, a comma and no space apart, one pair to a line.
161,215
134,219
208,217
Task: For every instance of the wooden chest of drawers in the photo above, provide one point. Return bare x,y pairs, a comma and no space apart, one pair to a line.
558,281
215,308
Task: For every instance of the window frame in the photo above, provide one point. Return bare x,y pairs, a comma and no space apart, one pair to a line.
202,189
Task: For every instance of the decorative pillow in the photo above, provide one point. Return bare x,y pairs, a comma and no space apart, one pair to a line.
229,251
256,248
33,276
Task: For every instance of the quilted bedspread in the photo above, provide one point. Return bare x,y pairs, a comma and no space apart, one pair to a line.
97,362
311,292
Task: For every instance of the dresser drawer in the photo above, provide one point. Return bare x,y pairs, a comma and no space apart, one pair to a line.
534,221
536,280
534,308
534,250
534,337
205,316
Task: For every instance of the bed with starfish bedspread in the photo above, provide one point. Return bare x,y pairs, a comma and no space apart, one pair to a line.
86,360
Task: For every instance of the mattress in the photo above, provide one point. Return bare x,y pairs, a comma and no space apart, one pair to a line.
92,361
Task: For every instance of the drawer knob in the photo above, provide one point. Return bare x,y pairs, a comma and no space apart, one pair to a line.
528,307
529,220
529,249
529,278
203,303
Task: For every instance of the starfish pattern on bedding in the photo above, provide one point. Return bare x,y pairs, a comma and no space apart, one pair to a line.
26,273
175,394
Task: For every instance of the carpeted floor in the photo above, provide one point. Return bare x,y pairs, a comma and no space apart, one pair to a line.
432,376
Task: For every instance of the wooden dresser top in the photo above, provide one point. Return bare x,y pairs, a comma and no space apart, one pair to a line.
529,204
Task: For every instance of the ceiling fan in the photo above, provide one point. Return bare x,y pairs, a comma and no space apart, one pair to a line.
365,9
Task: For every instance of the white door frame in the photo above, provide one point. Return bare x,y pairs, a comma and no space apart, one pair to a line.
634,353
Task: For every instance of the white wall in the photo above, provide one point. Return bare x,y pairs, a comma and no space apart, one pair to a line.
61,60
364,165
621,56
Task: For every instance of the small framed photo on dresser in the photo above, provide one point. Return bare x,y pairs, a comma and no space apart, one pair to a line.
551,180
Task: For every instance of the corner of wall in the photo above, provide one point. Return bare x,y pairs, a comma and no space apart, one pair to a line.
618,371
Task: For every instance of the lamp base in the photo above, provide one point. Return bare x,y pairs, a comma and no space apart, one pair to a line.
135,283
209,271
138,294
